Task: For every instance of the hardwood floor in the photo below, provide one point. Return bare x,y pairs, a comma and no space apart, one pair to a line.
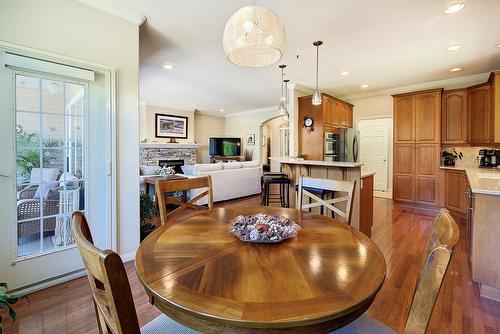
400,232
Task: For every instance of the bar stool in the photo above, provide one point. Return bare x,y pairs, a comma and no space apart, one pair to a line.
284,187
321,193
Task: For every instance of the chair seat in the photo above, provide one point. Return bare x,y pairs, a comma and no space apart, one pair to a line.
363,325
315,191
276,179
163,324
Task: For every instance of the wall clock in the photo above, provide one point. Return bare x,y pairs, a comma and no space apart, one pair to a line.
308,123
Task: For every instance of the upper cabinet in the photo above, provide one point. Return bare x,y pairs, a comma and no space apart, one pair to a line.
480,118
454,117
417,117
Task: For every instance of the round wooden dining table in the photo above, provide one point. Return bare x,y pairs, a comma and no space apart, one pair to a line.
202,276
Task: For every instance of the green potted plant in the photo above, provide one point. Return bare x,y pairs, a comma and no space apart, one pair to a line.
450,156
149,215
6,300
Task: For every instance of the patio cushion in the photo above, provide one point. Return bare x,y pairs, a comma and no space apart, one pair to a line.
38,175
42,192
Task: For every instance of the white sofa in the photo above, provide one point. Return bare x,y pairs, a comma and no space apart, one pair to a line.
229,180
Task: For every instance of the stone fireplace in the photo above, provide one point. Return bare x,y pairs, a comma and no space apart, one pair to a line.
174,155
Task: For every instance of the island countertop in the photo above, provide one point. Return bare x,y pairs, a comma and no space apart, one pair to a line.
338,164
484,181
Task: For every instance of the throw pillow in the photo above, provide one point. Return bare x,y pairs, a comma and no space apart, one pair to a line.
150,170
249,164
43,189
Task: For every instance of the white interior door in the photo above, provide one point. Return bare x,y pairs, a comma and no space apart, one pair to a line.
374,149
54,159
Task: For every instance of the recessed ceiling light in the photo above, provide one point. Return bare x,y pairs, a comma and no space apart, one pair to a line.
221,110
453,8
168,67
454,47
456,69
344,73
364,86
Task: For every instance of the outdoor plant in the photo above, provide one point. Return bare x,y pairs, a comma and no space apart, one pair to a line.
28,152
6,300
450,156
148,213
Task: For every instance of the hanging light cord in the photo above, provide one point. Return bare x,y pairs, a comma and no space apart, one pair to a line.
317,65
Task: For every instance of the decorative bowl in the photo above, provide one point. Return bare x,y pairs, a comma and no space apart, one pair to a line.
263,228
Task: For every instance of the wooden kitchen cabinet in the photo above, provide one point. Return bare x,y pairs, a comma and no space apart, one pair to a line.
454,117
332,114
481,130
455,197
417,136
366,202
404,168
427,163
428,117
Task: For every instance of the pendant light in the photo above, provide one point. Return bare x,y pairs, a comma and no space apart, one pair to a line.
316,99
254,37
286,116
282,107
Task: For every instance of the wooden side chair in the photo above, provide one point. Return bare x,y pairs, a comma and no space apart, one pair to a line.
171,186
333,186
113,302
435,263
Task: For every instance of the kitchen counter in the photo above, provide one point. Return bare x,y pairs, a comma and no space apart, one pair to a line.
366,174
452,168
489,185
340,164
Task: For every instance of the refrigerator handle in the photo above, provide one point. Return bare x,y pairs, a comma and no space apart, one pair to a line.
355,148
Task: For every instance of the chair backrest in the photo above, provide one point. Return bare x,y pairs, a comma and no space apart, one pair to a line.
170,186
108,280
437,256
336,186
39,175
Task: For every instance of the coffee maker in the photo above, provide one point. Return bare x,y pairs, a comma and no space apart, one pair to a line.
489,158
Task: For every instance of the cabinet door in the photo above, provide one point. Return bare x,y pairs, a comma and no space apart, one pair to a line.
403,170
335,114
428,117
455,186
404,119
349,121
426,173
327,111
454,117
343,115
478,100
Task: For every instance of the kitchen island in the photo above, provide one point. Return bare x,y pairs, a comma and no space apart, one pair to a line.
333,170
485,230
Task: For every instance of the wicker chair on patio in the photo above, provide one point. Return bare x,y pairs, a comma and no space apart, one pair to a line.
28,209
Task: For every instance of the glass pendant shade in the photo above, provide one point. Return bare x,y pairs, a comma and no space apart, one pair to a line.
254,37
286,117
316,99
282,108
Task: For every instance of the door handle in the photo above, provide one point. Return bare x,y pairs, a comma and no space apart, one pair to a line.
3,175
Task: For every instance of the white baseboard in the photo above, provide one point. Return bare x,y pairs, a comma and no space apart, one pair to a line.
51,282
130,256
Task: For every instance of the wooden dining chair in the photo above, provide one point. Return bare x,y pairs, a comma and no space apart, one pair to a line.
334,186
435,263
171,186
113,302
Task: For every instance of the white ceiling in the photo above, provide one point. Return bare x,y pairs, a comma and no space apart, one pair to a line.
385,44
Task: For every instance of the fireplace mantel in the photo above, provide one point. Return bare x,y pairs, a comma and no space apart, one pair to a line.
168,145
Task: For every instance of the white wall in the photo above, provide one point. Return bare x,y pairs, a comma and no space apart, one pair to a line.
241,124
148,115
206,126
72,29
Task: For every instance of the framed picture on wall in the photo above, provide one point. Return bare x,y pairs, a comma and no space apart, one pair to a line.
251,140
170,126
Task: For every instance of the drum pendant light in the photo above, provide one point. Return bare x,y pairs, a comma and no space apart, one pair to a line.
282,107
254,37
316,99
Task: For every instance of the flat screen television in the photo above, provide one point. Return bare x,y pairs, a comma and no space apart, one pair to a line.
225,147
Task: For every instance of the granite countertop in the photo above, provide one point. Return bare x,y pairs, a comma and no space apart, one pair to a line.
340,164
366,174
452,168
484,185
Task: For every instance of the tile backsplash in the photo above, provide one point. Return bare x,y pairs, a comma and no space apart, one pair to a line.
470,156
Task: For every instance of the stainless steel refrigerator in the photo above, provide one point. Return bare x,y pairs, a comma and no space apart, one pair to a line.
342,145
